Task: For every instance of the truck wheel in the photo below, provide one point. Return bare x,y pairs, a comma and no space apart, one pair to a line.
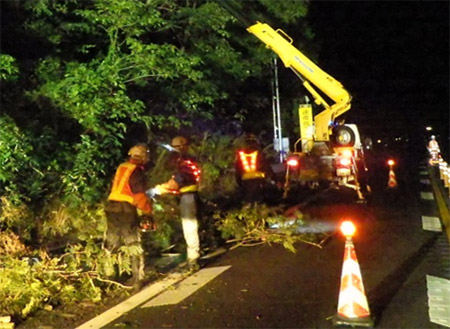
343,136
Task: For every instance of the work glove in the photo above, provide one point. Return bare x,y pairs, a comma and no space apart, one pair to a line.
170,187
147,223
151,193
157,190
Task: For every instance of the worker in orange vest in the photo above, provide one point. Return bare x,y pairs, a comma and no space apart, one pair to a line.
251,170
127,205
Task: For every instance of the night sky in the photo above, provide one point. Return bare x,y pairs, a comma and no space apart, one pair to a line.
393,57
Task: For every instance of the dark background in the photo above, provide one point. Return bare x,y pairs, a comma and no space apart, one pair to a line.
393,57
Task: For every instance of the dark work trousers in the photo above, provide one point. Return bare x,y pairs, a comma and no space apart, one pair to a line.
252,190
123,229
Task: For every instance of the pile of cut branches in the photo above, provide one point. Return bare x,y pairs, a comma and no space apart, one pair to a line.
255,224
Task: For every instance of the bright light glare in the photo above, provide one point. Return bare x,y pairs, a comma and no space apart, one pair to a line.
347,153
292,162
391,162
344,162
379,141
428,128
348,229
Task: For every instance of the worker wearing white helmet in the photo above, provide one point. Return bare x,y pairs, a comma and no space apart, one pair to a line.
433,145
185,184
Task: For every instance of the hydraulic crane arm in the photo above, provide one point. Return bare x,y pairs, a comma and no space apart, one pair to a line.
309,73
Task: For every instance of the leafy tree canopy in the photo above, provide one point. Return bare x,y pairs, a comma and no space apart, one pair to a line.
114,72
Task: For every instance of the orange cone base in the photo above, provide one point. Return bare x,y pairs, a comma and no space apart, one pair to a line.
392,186
366,322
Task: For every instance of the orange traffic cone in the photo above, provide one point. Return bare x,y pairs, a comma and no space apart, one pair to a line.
353,308
392,183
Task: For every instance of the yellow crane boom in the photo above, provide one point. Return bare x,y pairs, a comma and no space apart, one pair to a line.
310,74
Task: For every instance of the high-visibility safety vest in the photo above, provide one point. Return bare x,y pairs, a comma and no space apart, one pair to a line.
191,168
248,161
121,190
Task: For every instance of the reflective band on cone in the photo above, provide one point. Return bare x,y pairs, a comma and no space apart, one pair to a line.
392,183
353,308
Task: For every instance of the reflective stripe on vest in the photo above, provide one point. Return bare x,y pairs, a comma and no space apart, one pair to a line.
189,188
253,175
121,190
248,161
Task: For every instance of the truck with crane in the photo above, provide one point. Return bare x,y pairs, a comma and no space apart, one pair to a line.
332,151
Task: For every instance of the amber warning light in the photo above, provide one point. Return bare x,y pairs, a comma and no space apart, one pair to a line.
348,229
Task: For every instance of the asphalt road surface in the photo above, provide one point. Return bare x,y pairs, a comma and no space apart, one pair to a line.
271,287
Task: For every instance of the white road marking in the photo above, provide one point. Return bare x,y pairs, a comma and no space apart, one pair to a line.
438,290
430,223
423,172
425,181
186,287
427,195
132,302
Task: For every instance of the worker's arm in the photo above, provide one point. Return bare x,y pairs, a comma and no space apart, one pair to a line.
138,185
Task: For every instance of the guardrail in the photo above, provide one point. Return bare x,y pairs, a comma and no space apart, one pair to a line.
440,182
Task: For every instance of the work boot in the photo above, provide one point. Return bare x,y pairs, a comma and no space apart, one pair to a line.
138,285
194,266
137,267
135,284
189,267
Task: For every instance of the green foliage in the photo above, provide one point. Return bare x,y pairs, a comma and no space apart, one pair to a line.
130,17
15,153
253,224
289,11
96,94
15,215
215,154
83,223
29,283
90,95
8,68
125,56
32,279
20,178
169,231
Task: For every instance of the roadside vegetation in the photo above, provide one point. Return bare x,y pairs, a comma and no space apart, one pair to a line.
82,81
